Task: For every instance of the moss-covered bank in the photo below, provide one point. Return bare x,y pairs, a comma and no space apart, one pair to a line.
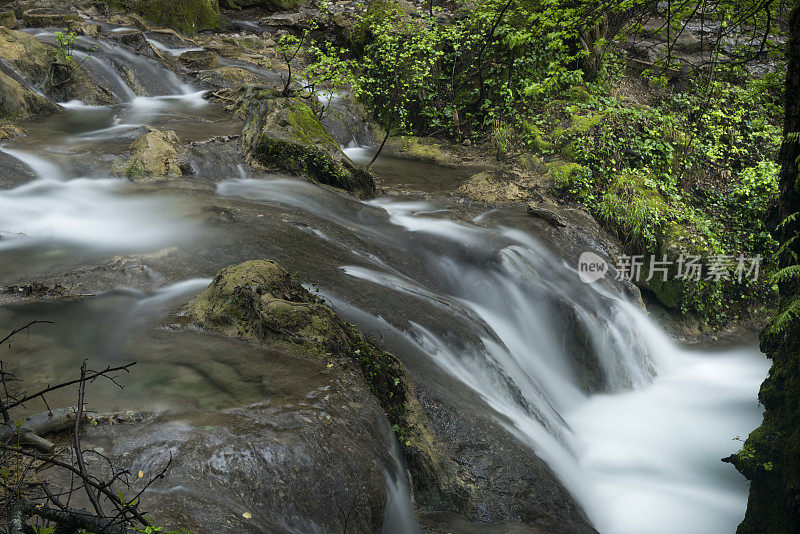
187,16
770,457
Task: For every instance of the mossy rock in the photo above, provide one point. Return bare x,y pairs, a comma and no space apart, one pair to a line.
18,103
45,17
584,123
769,456
30,57
8,20
10,131
283,134
186,16
199,59
260,302
492,186
426,150
253,44
676,240
231,77
566,138
535,137
36,62
648,225
579,94
154,156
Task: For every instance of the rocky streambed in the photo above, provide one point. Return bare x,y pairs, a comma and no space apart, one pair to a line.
323,348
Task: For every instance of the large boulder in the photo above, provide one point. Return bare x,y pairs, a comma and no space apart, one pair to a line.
28,56
284,134
309,457
154,156
37,64
261,302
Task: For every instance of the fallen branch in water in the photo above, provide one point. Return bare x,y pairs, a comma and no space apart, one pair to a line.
36,426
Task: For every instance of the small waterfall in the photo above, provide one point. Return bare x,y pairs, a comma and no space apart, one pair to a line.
119,88
399,511
172,51
44,170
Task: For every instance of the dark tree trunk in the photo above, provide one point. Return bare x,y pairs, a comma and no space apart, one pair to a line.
790,150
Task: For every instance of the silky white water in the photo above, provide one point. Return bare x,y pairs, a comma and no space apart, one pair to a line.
641,459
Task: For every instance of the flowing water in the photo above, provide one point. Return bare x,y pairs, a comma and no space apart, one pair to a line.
474,297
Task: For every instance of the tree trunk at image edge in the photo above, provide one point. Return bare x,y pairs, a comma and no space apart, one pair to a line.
770,458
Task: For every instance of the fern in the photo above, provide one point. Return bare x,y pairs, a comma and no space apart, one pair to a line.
789,219
785,248
786,274
782,321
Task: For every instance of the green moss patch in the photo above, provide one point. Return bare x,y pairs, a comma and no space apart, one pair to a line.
186,16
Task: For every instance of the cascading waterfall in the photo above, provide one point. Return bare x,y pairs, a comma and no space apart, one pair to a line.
639,448
522,372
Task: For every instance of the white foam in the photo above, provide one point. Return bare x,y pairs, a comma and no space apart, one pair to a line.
88,213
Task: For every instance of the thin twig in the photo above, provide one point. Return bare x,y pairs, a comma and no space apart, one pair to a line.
76,441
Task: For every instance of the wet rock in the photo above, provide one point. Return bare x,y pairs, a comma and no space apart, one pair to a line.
85,28
44,17
154,156
14,173
284,134
17,102
37,64
285,20
212,158
231,77
129,272
35,289
261,302
546,214
199,59
8,19
290,463
347,121
132,38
